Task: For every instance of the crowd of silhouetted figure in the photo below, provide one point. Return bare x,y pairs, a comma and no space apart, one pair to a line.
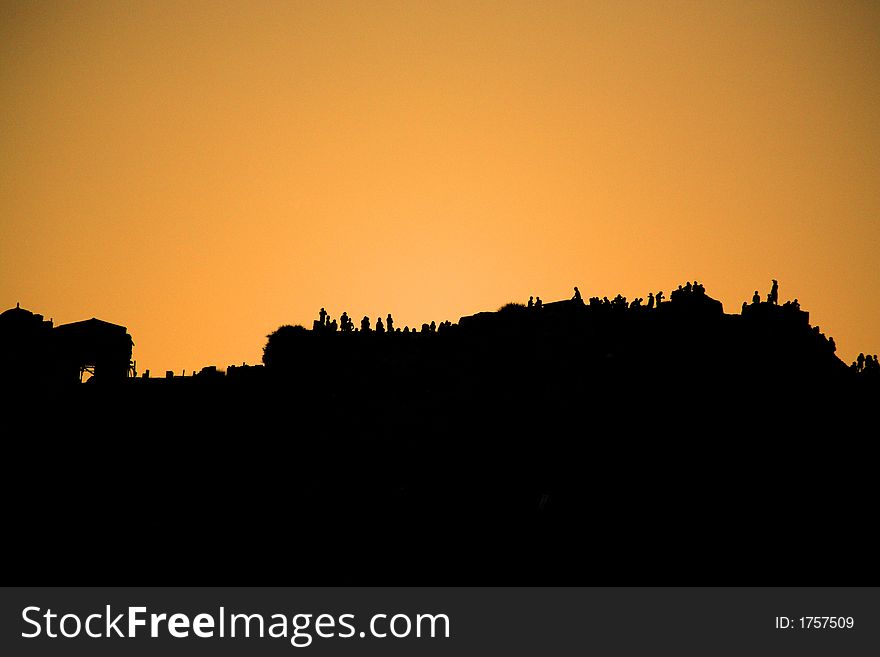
866,365
790,310
682,295
695,289
770,309
325,324
691,294
772,296
678,296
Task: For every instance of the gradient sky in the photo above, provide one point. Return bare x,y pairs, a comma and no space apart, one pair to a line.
205,172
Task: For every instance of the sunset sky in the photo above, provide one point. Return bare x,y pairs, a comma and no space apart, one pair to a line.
203,172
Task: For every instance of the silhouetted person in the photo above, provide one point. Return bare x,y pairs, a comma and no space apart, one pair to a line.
344,323
577,295
365,324
860,361
659,298
390,323
323,316
380,327
434,326
773,297
756,298
745,305
531,302
538,303
650,300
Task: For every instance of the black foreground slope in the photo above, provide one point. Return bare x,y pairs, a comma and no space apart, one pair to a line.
570,445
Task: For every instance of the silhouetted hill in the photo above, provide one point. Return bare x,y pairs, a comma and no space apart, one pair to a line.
605,441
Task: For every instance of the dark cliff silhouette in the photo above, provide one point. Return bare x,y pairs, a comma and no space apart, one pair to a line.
575,441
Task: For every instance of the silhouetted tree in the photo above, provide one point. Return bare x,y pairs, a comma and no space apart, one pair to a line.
283,346
512,307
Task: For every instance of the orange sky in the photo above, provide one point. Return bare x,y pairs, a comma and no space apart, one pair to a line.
204,172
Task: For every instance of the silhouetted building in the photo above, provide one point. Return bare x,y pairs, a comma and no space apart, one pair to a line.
26,346
95,346
32,350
